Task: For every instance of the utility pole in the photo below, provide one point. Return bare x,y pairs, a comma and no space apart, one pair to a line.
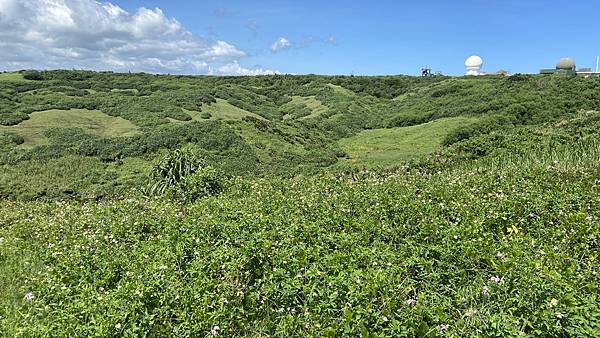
597,63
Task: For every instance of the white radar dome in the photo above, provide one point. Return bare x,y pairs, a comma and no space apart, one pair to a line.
473,65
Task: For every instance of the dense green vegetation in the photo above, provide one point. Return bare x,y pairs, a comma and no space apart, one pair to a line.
292,206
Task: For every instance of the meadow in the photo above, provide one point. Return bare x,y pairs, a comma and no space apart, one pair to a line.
295,206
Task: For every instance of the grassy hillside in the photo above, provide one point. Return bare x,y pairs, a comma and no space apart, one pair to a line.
299,206
480,250
391,146
94,122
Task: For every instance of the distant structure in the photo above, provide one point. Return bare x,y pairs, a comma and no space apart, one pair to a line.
567,67
427,72
474,64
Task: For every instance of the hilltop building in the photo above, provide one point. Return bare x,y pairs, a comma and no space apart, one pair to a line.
567,67
474,64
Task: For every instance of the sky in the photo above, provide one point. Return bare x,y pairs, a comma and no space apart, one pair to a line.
243,37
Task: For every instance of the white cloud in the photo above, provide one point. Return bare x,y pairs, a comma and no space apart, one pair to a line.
234,68
48,34
280,44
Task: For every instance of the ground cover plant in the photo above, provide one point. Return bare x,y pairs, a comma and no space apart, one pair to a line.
294,206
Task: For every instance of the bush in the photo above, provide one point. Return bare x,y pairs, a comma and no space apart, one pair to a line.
206,181
184,175
33,75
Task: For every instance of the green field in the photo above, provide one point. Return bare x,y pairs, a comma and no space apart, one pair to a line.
92,121
385,147
141,205
11,77
223,110
310,103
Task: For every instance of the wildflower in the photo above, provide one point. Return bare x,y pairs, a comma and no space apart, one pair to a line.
470,313
215,330
559,315
485,291
118,326
496,279
499,254
589,218
29,296
411,301
1,240
444,327
553,302
532,215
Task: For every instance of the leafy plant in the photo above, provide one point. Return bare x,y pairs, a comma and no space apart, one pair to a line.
183,174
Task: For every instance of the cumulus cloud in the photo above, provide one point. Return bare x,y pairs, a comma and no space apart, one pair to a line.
280,44
234,68
47,34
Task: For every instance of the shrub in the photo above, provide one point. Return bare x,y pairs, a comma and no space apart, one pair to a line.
206,181
33,75
184,175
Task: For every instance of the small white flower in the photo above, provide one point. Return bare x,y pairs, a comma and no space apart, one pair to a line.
411,301
118,326
589,218
553,302
215,330
560,315
499,254
485,291
29,296
496,279
1,240
444,327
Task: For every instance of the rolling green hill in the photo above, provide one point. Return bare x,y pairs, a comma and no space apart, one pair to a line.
91,121
298,206
391,146
281,125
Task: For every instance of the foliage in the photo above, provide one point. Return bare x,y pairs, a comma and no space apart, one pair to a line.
493,248
480,219
184,175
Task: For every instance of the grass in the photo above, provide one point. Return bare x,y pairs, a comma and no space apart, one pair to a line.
385,147
460,253
92,121
223,110
315,106
11,77
341,90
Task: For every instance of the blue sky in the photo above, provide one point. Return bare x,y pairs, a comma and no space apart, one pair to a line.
365,37
390,37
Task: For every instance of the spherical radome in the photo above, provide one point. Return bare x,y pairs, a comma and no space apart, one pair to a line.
566,64
474,61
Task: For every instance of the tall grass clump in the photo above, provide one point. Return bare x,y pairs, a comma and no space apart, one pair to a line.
184,175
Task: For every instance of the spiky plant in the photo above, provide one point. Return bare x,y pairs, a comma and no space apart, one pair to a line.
172,169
